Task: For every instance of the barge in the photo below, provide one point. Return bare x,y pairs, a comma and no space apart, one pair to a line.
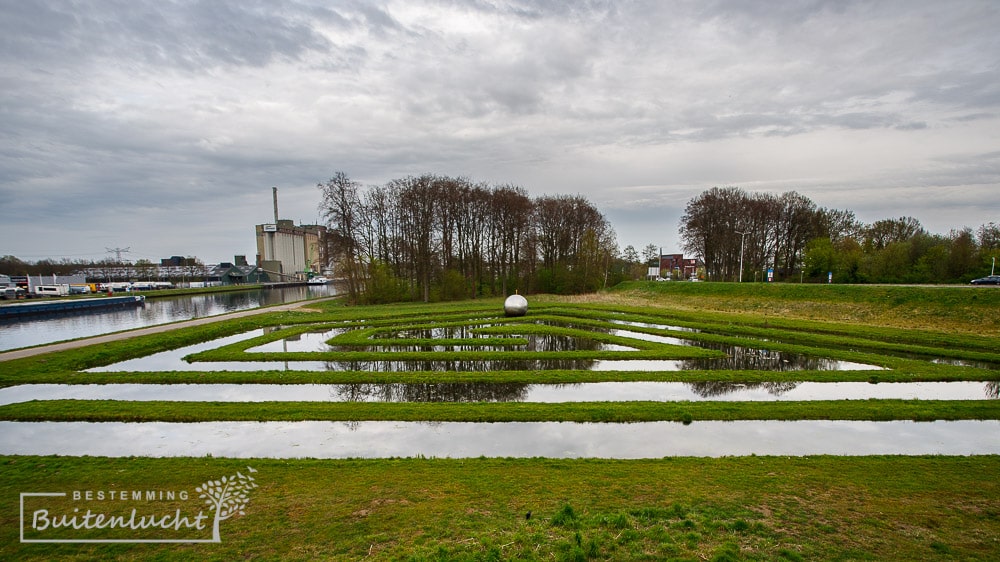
16,310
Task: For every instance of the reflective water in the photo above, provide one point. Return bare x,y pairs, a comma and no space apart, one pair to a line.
505,392
736,358
653,326
469,440
35,330
308,342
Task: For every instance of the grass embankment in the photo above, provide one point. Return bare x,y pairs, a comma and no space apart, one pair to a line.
750,508
946,308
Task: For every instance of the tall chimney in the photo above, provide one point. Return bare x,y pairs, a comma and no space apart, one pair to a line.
274,190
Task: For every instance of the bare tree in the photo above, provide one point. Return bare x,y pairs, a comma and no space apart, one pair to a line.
709,229
340,206
510,212
796,227
988,236
882,233
650,254
418,199
450,238
837,225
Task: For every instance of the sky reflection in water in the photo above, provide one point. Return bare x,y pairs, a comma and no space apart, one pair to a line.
462,440
506,392
469,440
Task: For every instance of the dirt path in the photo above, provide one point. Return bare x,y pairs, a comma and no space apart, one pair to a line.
160,328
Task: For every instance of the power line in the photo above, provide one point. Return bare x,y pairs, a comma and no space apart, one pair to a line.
118,252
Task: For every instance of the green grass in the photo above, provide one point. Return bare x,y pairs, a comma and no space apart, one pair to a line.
749,508
906,352
609,412
956,309
744,508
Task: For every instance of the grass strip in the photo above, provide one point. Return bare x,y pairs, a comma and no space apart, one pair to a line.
605,412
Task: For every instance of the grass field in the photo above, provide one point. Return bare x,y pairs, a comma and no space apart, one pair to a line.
739,508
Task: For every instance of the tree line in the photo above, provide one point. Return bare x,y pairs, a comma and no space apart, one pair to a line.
436,237
736,232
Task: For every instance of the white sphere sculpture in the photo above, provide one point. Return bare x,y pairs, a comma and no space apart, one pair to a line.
515,305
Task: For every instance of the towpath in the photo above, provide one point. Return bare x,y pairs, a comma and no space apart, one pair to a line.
159,328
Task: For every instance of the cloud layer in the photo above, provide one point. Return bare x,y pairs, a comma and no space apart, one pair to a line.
161,126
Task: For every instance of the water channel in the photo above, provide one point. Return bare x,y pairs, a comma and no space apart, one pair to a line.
515,439
737,357
36,330
507,392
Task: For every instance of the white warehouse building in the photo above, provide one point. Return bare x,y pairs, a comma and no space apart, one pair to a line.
288,252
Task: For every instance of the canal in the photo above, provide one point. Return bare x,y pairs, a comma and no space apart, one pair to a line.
37,330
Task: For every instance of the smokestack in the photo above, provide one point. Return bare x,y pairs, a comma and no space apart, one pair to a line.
274,190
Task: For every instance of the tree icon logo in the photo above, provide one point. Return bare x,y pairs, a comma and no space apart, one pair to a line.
227,497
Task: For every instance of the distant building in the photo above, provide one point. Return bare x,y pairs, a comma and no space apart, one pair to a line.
75,279
239,273
183,271
290,253
675,266
178,261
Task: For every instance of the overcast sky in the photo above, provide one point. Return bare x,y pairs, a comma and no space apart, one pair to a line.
161,126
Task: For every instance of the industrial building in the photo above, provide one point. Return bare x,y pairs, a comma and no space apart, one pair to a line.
287,252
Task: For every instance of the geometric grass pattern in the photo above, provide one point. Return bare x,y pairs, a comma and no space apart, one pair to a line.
552,344
562,343
477,363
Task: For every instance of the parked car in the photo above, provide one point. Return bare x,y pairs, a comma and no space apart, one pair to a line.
988,280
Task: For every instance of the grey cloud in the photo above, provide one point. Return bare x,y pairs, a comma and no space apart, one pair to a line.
863,120
974,117
193,107
190,35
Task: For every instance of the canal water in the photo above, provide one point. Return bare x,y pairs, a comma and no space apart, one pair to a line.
37,330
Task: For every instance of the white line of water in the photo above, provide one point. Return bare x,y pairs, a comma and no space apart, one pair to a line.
544,393
468,440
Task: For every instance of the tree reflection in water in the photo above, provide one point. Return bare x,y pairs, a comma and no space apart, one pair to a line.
536,342
718,388
507,392
431,392
744,358
469,365
737,359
